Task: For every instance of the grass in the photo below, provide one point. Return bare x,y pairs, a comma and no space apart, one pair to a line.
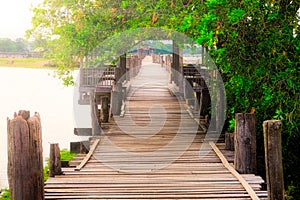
46,170
66,155
40,63
5,195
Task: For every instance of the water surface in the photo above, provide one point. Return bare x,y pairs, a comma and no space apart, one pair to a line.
35,90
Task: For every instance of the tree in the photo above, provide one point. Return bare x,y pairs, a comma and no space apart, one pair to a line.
256,46
8,45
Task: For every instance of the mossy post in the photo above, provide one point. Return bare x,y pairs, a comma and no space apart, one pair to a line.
25,157
273,159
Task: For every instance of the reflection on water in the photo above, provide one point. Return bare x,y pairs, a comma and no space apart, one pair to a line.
35,90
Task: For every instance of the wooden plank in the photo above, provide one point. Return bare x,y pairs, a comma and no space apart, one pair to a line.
88,156
247,187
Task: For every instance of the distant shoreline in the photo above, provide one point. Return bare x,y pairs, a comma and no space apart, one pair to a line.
35,63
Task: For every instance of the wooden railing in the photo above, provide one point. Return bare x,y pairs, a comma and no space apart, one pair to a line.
133,66
99,79
102,79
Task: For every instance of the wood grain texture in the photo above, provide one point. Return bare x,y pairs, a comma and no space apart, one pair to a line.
273,159
245,143
25,158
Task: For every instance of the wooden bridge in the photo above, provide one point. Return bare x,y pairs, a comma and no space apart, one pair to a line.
156,150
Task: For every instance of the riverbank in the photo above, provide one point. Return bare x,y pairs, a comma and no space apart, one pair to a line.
40,63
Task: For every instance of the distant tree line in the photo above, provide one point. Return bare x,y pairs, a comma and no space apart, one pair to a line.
18,45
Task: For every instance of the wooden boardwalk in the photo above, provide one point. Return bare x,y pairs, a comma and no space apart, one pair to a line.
153,153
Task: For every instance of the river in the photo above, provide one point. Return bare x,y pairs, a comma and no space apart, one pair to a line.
37,90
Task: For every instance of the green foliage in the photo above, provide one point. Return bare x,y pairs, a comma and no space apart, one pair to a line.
235,16
5,195
231,126
67,155
46,170
257,51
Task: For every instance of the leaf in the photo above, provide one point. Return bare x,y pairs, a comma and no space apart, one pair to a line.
236,15
124,4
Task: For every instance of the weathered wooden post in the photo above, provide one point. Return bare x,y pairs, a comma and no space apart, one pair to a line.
55,164
175,63
123,68
229,141
245,143
95,122
188,91
104,109
118,74
273,159
25,157
117,98
117,93
204,101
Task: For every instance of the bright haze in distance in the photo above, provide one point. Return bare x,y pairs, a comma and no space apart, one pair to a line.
15,17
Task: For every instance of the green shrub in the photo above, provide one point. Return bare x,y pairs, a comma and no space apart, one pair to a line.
5,195
66,155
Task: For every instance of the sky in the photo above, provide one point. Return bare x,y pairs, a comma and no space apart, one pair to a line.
15,17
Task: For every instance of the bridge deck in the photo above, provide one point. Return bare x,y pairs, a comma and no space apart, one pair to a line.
155,151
